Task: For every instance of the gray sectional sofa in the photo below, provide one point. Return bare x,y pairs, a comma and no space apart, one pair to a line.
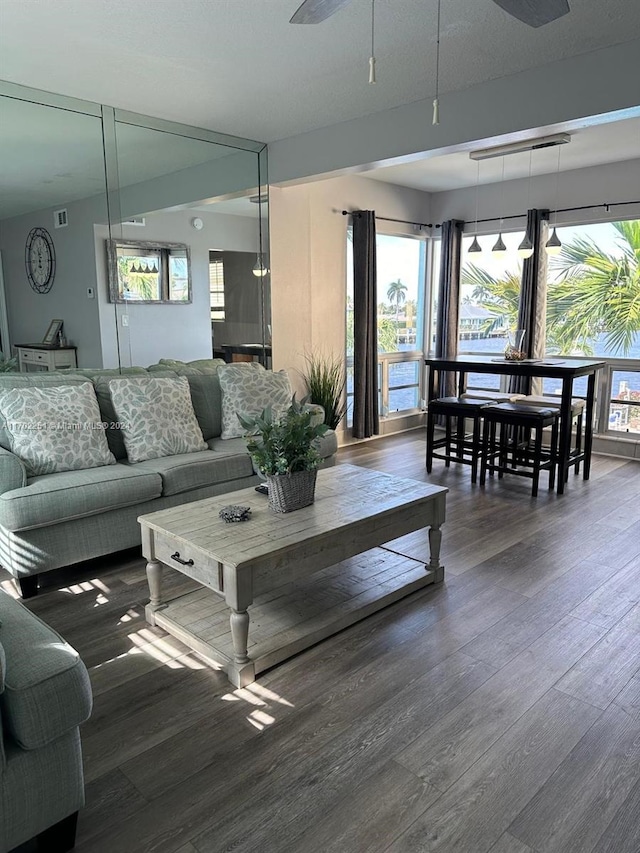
62,518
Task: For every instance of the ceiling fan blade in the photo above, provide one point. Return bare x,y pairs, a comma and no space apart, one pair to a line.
535,13
315,11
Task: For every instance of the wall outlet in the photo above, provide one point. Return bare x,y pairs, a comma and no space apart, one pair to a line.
91,294
125,319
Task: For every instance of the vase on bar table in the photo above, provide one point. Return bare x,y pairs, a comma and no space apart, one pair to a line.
514,350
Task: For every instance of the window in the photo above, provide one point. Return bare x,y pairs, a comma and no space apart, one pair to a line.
401,275
216,286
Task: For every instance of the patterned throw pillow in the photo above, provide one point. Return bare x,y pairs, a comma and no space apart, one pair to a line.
247,389
156,417
55,429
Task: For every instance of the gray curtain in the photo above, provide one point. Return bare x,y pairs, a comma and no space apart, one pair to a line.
365,326
448,301
532,311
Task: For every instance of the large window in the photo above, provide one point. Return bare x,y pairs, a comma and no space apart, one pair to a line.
593,309
401,266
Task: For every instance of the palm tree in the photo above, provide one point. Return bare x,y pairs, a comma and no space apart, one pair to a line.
397,292
597,292
594,292
501,296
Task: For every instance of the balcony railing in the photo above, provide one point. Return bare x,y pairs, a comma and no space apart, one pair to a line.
400,384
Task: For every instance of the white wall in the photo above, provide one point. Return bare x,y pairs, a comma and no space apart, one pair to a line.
308,259
170,331
597,185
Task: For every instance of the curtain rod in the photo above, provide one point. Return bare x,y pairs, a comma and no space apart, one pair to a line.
389,219
606,206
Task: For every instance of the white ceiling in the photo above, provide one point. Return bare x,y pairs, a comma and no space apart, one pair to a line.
239,67
589,146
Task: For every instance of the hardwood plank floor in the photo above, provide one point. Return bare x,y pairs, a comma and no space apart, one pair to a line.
498,712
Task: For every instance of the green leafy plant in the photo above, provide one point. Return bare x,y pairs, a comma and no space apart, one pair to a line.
283,445
7,364
325,380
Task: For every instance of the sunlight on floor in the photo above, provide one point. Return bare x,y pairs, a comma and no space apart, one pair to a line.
129,616
87,586
9,588
256,694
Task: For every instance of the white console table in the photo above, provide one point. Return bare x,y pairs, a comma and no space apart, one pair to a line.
33,357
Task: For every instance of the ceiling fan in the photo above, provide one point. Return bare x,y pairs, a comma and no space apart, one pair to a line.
535,13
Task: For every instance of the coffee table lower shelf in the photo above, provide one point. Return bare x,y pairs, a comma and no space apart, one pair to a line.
294,616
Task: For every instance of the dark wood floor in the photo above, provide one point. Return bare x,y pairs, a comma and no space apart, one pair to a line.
499,712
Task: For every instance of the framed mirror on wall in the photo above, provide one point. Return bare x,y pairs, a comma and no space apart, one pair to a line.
148,272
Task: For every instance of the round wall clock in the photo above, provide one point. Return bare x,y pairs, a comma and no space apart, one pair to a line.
40,260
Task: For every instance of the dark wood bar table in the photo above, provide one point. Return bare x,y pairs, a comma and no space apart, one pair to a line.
567,370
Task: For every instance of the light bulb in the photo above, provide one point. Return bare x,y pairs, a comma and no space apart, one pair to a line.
499,248
553,245
259,269
475,246
525,249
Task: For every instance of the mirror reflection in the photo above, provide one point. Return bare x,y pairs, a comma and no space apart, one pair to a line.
148,272
173,201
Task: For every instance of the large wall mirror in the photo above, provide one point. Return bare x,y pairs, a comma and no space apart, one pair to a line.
176,196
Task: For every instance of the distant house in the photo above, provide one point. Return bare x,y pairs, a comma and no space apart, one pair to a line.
474,322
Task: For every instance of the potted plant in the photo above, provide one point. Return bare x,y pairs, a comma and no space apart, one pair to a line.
325,381
283,449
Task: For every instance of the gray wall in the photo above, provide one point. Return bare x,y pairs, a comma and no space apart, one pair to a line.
29,312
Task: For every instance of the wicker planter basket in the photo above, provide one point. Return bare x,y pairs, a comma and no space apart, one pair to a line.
288,492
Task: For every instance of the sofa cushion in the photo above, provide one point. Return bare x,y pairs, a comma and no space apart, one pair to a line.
247,389
47,691
194,470
8,381
115,438
55,498
58,428
156,417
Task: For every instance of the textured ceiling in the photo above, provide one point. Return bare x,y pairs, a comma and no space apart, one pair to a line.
239,67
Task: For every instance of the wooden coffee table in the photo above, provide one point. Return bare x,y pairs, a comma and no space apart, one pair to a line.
298,572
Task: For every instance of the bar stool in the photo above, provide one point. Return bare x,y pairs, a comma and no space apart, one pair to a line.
462,447
576,454
511,451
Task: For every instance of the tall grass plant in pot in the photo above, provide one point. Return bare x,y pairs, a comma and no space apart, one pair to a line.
283,449
325,381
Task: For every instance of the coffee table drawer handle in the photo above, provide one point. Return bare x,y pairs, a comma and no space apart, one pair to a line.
177,558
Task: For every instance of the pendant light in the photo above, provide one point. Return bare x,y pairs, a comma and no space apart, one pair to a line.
436,100
475,247
372,58
499,249
553,245
259,268
525,249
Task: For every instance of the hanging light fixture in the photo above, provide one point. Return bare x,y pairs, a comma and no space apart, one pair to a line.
372,58
553,245
499,249
436,100
525,249
259,268
475,247
154,268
